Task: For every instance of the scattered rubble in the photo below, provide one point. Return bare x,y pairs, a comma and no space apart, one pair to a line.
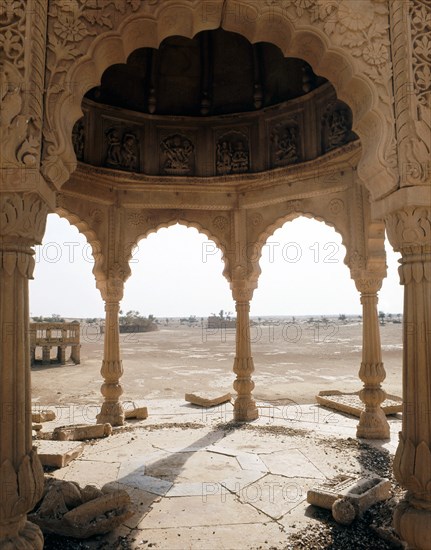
140,413
68,510
43,416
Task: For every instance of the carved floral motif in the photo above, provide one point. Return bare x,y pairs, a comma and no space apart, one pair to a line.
256,219
336,206
220,222
70,23
420,21
22,216
410,229
20,490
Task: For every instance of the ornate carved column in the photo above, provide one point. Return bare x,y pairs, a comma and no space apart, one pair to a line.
22,223
112,365
245,407
409,231
372,422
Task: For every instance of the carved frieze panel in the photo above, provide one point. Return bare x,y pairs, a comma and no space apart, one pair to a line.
177,155
232,153
285,143
121,149
336,126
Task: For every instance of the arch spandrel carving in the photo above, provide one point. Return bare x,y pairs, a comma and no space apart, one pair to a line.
89,221
217,226
76,55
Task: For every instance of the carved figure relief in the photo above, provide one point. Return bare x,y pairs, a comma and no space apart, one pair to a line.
178,155
78,139
122,151
285,144
335,128
232,155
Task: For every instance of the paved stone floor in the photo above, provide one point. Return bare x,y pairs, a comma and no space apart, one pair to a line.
198,480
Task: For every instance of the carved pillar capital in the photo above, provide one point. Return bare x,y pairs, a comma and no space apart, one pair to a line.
112,287
409,230
22,218
368,284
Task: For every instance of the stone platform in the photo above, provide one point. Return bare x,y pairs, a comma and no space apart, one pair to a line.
351,403
198,480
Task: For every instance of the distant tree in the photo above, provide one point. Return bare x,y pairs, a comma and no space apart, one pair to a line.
341,317
382,316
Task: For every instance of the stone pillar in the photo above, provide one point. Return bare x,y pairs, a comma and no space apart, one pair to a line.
22,222
61,355
245,407
409,231
46,355
372,422
112,366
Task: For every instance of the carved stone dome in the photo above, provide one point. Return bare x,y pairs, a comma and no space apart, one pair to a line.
215,73
214,105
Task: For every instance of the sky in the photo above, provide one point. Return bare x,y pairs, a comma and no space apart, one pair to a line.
178,272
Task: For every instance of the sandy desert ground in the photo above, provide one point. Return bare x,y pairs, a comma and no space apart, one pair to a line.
293,362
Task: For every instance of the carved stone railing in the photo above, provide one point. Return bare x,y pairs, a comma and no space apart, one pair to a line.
295,131
59,335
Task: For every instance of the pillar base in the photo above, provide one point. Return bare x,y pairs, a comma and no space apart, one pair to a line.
245,411
112,413
20,534
413,524
373,425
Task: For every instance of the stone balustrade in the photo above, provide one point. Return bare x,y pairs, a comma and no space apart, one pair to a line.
59,335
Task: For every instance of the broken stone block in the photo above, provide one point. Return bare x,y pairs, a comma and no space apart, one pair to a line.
43,416
57,454
79,432
344,494
207,399
140,413
89,492
351,403
97,516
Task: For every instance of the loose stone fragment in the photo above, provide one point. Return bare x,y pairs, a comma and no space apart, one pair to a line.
207,399
79,432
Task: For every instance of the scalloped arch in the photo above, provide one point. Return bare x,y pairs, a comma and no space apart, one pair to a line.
90,235
190,224
278,224
186,19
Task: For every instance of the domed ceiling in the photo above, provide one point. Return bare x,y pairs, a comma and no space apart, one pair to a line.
209,106
215,73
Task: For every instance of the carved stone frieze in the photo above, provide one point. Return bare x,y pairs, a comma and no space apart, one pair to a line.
410,30
336,127
177,155
285,144
122,150
420,24
232,154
